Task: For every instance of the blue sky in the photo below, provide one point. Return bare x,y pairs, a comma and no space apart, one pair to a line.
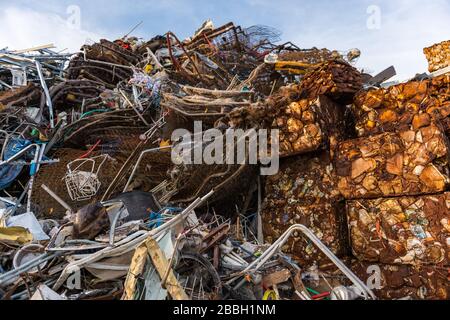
406,26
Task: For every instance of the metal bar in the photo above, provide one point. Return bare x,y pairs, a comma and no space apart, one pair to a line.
47,94
57,198
7,277
5,84
258,263
440,72
46,46
18,154
7,201
134,108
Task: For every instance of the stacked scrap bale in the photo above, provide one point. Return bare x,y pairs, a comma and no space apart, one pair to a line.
309,116
394,178
412,162
440,88
438,56
21,97
305,126
400,281
105,62
415,103
305,192
404,230
312,119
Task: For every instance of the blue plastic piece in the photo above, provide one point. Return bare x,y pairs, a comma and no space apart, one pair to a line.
33,168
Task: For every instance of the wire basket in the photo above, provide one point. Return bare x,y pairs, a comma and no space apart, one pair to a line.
82,177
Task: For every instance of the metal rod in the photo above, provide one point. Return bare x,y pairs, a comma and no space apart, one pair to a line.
57,198
258,263
47,94
18,154
7,277
134,108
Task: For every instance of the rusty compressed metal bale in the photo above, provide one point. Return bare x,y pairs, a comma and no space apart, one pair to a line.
404,230
336,79
401,281
304,125
326,220
440,92
394,164
413,104
309,125
305,192
305,180
438,56
53,177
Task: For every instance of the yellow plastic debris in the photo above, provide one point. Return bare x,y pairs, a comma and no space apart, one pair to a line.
270,295
165,143
17,235
148,69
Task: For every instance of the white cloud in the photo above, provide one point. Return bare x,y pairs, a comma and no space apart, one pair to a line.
24,28
407,26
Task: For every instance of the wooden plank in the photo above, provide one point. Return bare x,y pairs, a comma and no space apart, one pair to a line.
135,272
47,46
161,264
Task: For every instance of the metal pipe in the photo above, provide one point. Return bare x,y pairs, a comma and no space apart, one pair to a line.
4,143
134,108
273,249
57,198
47,94
7,277
5,84
7,201
41,155
21,152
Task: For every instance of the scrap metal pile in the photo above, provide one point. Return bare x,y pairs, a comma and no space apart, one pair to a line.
95,206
